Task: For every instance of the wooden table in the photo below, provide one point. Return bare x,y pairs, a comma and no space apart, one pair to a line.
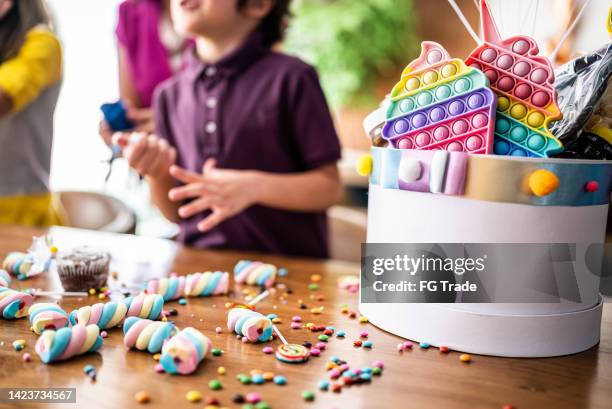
414,379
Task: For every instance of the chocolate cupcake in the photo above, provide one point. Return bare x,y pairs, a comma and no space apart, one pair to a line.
83,268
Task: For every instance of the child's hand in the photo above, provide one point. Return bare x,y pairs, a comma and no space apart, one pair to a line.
106,133
225,192
148,154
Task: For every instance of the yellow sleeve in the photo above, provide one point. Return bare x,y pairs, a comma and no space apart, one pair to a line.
37,66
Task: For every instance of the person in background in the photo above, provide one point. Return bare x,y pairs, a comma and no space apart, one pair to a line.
149,52
30,77
247,133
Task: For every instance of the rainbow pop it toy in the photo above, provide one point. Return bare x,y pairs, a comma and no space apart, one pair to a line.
441,104
523,82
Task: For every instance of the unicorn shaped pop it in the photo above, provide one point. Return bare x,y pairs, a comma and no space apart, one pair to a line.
441,104
523,82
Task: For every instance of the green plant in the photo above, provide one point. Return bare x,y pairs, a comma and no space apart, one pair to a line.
352,42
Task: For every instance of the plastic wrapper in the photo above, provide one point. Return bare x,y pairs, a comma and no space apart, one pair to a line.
581,85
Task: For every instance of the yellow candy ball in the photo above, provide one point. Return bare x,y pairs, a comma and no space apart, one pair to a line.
221,370
543,182
193,396
503,103
518,111
535,119
364,165
363,319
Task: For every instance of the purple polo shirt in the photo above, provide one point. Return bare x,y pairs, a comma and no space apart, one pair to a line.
138,32
254,109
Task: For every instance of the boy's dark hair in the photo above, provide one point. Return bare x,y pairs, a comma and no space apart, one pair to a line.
274,24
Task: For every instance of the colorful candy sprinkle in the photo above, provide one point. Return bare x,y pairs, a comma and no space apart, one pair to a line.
218,330
253,397
323,338
267,350
280,380
465,358
258,379
216,351
27,357
19,344
424,345
193,396
215,384
323,385
182,301
221,370
308,396
443,349
142,397
368,344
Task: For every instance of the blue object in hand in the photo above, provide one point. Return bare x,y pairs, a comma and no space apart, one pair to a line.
115,116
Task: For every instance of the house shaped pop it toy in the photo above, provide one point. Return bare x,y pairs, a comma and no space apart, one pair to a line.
523,82
441,104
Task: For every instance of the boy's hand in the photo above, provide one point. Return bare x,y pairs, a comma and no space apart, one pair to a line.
148,154
225,192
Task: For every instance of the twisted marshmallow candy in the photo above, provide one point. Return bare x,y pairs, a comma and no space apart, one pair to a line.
255,273
250,324
68,342
191,285
5,278
46,315
14,304
111,314
18,264
144,334
183,352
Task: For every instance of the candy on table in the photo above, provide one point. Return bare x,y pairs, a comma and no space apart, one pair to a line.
5,278
46,315
14,304
292,353
522,80
192,285
112,313
68,342
254,326
441,104
182,353
144,334
37,259
207,283
255,273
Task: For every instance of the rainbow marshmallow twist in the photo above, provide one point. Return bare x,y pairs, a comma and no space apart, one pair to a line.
111,314
192,285
46,315
182,353
440,104
144,334
5,278
68,342
523,82
18,264
254,273
14,304
250,324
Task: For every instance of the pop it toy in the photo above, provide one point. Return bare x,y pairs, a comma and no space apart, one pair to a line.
440,104
523,82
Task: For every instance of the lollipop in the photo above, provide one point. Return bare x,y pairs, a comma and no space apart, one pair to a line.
46,315
183,352
144,334
440,104
5,278
112,313
292,353
523,82
14,304
250,324
68,342
254,273
205,284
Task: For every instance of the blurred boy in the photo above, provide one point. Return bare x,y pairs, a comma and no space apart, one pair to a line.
248,133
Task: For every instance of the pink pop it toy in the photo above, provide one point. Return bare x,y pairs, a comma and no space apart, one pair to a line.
522,80
441,104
